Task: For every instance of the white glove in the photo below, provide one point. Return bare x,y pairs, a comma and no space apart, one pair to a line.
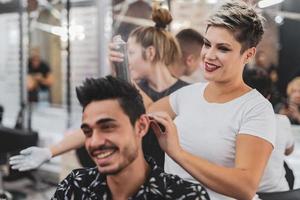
30,158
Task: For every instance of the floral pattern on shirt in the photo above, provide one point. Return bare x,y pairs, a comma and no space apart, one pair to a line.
88,184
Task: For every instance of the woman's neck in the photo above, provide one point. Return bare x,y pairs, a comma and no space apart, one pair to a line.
221,92
160,78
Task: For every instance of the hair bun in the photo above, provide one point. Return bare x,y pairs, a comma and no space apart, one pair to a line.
161,17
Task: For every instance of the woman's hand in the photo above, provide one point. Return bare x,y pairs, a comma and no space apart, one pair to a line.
114,55
168,140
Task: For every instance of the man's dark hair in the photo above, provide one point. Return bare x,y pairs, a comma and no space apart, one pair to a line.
190,41
109,87
258,79
190,35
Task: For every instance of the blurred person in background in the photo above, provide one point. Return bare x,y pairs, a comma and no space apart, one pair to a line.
291,107
262,61
259,79
189,70
39,78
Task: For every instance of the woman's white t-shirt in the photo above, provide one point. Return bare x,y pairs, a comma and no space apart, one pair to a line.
209,130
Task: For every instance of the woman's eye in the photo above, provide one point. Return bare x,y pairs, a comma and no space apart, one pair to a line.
224,49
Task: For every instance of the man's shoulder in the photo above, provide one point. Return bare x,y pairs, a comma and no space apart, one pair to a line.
175,181
83,176
82,183
174,187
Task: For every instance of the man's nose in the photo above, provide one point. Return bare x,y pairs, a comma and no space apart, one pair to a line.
97,139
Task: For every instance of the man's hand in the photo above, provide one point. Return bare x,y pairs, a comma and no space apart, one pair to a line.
294,112
38,77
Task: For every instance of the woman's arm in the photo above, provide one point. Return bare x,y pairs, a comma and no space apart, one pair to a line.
240,181
33,157
162,105
70,141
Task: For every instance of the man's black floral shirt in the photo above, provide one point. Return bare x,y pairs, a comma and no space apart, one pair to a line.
89,184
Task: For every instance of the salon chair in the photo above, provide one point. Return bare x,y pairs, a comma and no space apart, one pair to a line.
288,195
13,140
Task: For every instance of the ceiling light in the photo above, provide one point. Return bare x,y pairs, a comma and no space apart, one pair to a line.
278,19
211,1
267,3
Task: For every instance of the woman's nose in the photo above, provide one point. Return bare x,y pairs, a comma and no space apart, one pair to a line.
210,54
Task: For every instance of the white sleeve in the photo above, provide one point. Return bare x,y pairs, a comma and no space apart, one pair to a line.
290,140
259,121
174,99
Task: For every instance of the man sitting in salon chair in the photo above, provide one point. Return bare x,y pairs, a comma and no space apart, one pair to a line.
114,123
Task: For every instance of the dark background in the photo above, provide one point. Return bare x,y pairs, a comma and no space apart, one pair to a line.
289,54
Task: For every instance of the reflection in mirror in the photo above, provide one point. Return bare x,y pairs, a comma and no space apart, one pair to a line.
39,78
44,77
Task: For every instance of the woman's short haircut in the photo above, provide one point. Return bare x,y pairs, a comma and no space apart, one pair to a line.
165,45
242,19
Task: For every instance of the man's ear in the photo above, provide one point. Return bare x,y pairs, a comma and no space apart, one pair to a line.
150,53
191,64
250,53
142,125
189,60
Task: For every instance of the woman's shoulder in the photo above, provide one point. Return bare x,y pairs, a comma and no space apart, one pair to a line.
190,90
257,103
255,97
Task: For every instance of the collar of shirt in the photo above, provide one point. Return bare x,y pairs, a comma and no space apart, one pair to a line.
90,184
153,184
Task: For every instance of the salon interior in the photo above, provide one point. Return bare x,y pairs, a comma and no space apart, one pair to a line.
69,40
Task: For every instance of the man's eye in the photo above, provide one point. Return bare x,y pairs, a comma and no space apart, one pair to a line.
87,132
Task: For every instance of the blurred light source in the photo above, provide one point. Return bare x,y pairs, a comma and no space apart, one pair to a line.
165,6
278,19
211,1
5,1
267,3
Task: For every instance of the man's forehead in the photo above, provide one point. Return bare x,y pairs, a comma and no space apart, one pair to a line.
97,121
104,109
